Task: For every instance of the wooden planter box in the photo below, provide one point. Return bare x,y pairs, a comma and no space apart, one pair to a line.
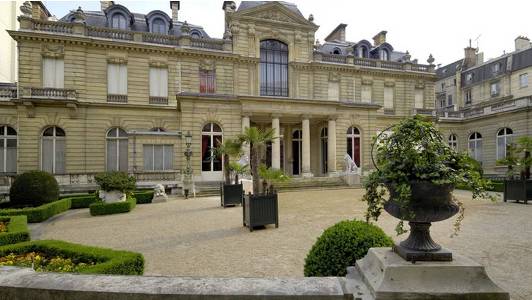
231,194
518,190
260,210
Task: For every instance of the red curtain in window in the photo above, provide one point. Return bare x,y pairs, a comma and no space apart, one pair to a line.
207,82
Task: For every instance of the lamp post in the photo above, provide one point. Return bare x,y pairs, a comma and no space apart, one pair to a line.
187,182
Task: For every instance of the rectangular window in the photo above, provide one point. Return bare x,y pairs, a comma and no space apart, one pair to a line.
207,81
418,98
467,97
496,68
158,157
159,82
53,73
523,80
449,100
388,97
366,93
117,79
495,89
334,91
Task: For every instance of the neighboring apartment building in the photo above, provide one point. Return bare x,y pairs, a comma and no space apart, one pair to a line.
483,106
8,51
116,90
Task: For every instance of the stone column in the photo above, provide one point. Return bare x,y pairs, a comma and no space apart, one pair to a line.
245,124
276,144
331,147
305,163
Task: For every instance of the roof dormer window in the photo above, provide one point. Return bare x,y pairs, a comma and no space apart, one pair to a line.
118,21
384,55
337,51
195,34
159,26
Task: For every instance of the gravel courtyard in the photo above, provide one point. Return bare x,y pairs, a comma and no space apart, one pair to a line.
197,237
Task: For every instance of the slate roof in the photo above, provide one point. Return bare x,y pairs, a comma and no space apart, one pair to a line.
449,70
346,47
250,4
99,19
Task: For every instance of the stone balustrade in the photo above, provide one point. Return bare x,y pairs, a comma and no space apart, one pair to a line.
158,100
485,109
49,93
27,23
117,98
372,63
8,92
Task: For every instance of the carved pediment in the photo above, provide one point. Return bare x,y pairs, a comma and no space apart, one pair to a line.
274,12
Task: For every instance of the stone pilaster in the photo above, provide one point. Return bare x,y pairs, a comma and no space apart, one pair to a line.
276,144
331,147
305,166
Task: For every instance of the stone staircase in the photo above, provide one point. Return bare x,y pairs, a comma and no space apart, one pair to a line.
313,183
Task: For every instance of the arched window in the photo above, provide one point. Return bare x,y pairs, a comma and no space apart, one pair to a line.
504,138
273,68
53,150
475,146
337,51
159,26
8,149
323,144
211,137
117,150
453,141
353,144
362,52
119,21
195,34
384,54
297,151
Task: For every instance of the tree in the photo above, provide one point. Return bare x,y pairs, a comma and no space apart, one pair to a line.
238,169
228,149
257,140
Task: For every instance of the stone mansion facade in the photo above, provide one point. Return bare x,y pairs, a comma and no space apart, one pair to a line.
117,90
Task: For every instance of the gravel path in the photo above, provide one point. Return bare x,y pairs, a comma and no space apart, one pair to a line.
196,237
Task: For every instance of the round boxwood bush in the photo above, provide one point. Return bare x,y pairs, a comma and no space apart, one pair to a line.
33,188
341,245
115,181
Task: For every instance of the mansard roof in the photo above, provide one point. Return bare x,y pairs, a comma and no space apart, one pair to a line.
348,47
138,22
250,4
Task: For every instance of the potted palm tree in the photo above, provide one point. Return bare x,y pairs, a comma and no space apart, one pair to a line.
261,207
230,193
518,159
270,177
419,171
238,169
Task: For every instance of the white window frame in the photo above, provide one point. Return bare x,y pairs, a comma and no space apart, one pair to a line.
115,138
54,139
5,137
117,79
523,80
419,98
53,72
475,152
158,82
453,141
497,91
389,102
505,134
164,158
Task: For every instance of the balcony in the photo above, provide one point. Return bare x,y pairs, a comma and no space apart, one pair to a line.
424,111
158,100
8,92
487,109
80,29
117,98
50,94
372,63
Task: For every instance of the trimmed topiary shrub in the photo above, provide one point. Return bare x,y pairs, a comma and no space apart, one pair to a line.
17,230
83,201
108,261
116,181
143,197
341,245
101,208
39,213
33,188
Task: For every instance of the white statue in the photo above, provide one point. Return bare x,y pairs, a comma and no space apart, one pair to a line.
350,166
159,194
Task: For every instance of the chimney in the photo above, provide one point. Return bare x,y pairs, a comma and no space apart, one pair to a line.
106,4
379,38
39,11
480,58
174,5
338,34
470,57
522,43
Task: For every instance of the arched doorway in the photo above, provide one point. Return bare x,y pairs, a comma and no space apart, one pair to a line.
211,165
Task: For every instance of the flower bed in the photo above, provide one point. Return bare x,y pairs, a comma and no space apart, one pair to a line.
40,213
14,230
101,208
59,256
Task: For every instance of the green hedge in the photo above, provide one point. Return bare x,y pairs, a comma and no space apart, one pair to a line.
341,245
497,186
33,188
17,230
39,213
143,197
108,261
101,208
82,201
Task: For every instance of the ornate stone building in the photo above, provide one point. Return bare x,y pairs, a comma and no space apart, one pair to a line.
116,90
483,106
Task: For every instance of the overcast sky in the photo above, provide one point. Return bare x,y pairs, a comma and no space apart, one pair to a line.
442,28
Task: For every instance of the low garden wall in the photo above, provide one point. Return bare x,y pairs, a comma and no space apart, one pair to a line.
17,283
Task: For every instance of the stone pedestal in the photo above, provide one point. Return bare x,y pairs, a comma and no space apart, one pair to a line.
112,196
389,277
351,179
